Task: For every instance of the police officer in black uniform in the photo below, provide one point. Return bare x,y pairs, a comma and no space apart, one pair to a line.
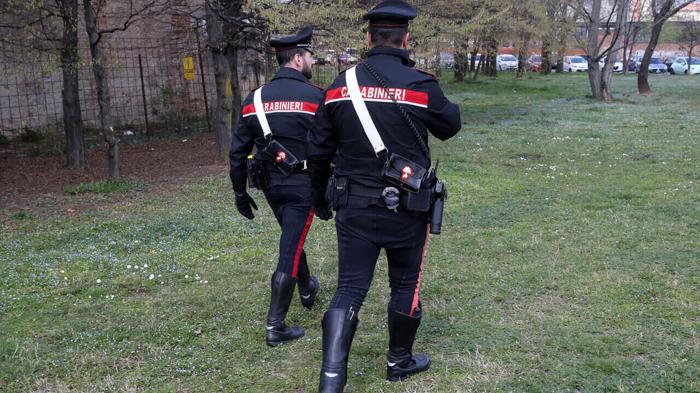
289,103
373,210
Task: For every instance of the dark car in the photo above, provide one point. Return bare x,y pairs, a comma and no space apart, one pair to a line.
534,63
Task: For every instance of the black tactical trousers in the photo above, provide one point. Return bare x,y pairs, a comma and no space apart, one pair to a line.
362,233
293,209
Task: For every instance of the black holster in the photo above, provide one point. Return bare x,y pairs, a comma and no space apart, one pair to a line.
438,196
337,192
257,174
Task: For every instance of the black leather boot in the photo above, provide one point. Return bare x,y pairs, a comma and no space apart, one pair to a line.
282,291
339,327
308,293
402,332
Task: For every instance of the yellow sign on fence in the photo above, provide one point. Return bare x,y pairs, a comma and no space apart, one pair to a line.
188,66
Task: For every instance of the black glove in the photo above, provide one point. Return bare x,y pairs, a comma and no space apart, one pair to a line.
244,202
321,208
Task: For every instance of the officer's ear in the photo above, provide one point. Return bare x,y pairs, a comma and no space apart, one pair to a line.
298,59
369,39
404,43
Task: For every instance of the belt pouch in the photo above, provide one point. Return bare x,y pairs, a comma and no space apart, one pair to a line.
417,201
404,173
281,157
338,197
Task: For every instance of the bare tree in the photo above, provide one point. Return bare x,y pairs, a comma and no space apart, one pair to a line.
661,11
631,31
37,26
222,73
70,63
610,23
232,29
92,9
689,37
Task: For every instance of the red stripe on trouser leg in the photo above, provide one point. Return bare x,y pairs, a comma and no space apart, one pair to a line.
414,305
300,245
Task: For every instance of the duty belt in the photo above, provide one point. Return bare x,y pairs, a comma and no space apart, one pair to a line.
419,201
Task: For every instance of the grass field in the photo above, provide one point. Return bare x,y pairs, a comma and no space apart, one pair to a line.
570,261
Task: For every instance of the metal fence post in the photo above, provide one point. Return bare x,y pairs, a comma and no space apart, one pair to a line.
204,83
143,95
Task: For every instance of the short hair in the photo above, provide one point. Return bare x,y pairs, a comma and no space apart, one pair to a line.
286,56
391,36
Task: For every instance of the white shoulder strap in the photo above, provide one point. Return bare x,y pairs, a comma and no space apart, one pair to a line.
260,112
361,109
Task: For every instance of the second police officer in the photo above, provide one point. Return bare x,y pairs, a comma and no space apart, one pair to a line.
373,126
276,119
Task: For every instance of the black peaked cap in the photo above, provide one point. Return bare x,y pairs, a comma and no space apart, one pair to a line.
302,39
397,11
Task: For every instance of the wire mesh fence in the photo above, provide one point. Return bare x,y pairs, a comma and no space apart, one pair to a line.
156,86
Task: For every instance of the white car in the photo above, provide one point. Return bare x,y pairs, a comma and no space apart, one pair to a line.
575,64
617,66
506,63
680,65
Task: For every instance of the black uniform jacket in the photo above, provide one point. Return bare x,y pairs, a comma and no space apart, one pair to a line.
338,135
290,103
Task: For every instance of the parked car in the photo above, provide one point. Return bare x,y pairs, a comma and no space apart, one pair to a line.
575,64
506,63
534,63
447,60
656,66
680,65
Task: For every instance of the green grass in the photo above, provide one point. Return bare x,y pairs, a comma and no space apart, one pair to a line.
569,261
106,187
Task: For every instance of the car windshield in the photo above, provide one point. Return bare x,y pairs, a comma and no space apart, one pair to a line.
655,61
578,59
536,58
508,58
694,61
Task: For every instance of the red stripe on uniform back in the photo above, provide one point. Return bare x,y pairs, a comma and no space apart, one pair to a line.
377,93
248,110
282,106
300,245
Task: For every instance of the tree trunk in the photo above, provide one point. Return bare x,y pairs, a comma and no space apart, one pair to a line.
635,32
72,117
236,101
643,75
491,63
461,65
476,66
222,108
600,80
472,62
103,95
546,58
625,44
438,61
668,9
690,55
522,56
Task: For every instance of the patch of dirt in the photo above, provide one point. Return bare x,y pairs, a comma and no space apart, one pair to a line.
38,183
